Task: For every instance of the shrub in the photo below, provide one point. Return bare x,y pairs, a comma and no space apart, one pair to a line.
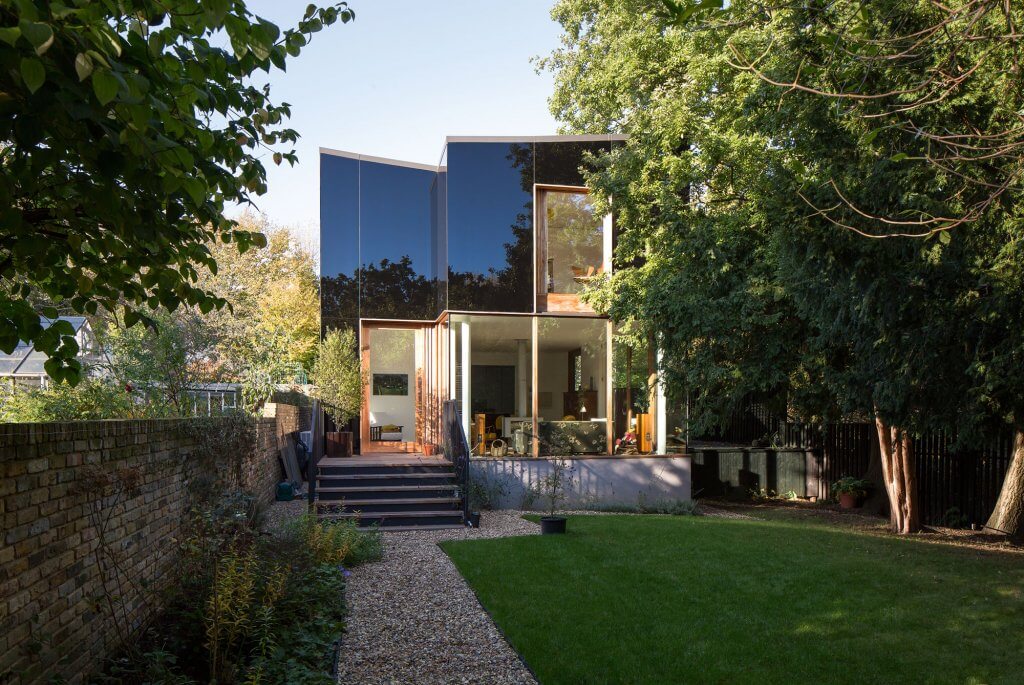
336,542
248,607
848,485
91,399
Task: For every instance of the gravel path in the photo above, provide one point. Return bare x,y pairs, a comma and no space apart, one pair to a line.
413,619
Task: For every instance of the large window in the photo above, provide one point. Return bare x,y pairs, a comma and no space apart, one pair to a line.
492,380
572,389
574,241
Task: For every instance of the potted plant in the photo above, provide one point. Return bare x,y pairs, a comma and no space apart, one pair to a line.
338,379
850,491
552,488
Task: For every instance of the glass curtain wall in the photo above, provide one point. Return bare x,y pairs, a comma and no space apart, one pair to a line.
492,381
572,386
339,242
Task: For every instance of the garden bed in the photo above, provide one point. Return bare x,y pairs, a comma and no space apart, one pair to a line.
248,604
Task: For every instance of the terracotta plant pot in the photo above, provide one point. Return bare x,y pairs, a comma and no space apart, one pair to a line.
429,449
847,500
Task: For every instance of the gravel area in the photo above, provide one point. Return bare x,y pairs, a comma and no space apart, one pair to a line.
413,619
280,512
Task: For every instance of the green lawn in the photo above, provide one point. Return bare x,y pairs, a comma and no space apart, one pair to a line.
659,599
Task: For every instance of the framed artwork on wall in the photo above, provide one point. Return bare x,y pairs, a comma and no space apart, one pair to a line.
390,384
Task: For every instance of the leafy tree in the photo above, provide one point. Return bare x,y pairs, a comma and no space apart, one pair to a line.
125,127
274,321
935,90
338,375
723,255
163,362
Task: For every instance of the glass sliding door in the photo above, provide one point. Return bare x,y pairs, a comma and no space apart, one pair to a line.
573,390
393,389
491,375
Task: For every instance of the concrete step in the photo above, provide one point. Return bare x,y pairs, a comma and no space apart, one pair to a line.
439,478
385,520
335,494
384,469
392,505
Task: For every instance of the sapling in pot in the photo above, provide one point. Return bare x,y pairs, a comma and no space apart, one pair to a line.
552,488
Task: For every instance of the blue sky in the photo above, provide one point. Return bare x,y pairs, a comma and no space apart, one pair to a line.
401,77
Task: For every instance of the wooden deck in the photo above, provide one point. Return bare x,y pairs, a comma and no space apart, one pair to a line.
384,459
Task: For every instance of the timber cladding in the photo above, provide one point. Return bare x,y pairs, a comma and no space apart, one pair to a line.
56,501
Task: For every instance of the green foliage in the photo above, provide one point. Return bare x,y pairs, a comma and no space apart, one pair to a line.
336,542
160,363
338,375
251,608
727,253
848,485
553,487
671,507
486,493
124,131
89,400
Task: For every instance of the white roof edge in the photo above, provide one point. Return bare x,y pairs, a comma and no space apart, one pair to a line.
581,138
378,160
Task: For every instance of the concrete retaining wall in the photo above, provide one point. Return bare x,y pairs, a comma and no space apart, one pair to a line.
593,482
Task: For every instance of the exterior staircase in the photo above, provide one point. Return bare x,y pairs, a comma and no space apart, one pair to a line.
391,496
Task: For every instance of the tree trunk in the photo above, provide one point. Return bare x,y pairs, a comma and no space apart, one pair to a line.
897,455
1008,516
877,502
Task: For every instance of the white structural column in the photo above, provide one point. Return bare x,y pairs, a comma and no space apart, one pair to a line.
453,361
467,365
522,380
660,420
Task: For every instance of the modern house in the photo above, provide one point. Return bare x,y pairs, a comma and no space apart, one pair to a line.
463,281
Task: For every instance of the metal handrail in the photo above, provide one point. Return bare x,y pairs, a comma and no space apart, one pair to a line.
456,449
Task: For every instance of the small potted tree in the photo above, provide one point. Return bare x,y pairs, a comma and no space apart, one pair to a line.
552,487
850,491
338,379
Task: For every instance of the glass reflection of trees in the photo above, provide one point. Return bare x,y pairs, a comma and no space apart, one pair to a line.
575,247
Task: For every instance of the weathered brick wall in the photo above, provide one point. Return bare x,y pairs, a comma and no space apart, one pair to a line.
55,509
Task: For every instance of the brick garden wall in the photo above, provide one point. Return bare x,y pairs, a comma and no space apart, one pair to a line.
52,568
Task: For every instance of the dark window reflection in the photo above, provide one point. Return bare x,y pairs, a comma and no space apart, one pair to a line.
559,163
439,237
396,250
490,227
339,241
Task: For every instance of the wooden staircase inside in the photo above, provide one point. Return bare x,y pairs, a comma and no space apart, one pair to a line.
402,494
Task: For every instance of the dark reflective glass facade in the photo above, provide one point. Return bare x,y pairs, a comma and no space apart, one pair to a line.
559,163
399,241
339,241
490,227
395,246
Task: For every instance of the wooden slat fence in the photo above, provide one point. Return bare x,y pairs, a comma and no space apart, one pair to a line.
956,487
